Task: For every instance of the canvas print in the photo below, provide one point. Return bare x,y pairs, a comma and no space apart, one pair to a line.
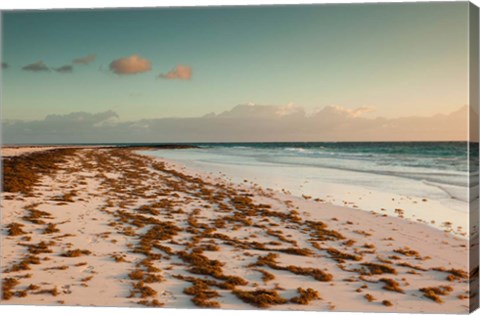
315,157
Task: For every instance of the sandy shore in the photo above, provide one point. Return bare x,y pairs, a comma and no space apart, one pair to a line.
410,199
110,227
16,151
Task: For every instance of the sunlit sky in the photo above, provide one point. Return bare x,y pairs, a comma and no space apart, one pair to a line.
400,59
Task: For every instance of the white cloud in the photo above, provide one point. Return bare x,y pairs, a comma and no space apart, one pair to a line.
356,112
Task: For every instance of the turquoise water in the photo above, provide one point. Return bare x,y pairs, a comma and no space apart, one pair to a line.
436,162
443,171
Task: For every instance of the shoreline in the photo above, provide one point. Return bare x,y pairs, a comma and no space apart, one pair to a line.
354,198
144,231
448,216
16,150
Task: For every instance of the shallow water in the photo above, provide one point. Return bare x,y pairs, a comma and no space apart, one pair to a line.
424,169
369,176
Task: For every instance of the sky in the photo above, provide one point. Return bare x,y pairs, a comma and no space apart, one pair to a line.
375,61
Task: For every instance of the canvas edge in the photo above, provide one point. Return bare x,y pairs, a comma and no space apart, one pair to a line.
473,100
473,119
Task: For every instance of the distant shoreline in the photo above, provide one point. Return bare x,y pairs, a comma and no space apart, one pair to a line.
104,146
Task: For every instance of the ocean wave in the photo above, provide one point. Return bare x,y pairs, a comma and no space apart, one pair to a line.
299,150
437,163
448,177
455,192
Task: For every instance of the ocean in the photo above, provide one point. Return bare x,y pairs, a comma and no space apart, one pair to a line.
435,163
431,181
442,163
372,175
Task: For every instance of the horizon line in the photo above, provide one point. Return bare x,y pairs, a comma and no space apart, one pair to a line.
225,142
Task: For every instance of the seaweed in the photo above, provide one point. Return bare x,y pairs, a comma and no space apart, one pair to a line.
305,296
260,298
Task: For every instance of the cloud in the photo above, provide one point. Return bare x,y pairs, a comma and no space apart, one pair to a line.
82,117
38,66
289,109
74,127
64,69
4,65
254,111
130,65
356,112
242,123
180,72
85,60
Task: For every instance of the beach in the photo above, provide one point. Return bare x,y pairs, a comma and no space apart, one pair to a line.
133,227
423,182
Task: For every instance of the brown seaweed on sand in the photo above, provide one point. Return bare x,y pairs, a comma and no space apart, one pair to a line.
260,298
